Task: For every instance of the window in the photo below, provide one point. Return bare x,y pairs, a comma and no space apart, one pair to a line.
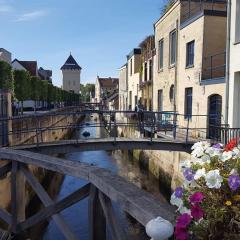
172,47
237,25
160,100
130,100
190,54
150,69
131,66
171,93
188,103
145,71
160,64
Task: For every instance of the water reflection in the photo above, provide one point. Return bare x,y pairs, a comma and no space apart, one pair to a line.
119,163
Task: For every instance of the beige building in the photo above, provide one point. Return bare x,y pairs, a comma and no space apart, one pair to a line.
146,78
71,72
5,56
104,88
234,65
133,77
123,88
189,74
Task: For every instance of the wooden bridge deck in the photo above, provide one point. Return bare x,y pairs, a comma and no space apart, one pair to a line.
92,144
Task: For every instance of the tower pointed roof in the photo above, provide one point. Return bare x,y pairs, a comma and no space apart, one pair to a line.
71,64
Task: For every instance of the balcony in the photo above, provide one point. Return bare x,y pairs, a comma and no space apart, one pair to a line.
191,9
214,69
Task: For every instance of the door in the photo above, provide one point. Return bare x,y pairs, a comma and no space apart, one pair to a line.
214,116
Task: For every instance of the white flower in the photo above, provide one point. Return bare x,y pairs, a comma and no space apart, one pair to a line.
234,172
235,151
200,173
226,156
185,164
189,184
214,179
204,159
203,144
213,152
183,210
176,201
198,152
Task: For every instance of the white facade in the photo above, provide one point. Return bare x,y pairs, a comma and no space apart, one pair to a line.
234,66
5,56
71,80
123,95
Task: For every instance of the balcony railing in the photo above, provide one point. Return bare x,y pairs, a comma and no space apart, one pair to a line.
214,66
192,8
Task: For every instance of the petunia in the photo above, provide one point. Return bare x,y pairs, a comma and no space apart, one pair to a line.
181,234
200,173
213,179
234,182
226,156
176,201
178,192
197,212
197,197
189,174
183,221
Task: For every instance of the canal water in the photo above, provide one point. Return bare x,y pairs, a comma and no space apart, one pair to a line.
121,163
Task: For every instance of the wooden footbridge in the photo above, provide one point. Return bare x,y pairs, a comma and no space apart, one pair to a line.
103,188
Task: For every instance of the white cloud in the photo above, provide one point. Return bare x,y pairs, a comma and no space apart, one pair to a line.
31,16
4,8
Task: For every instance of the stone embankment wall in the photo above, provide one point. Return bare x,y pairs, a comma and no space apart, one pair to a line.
40,128
162,164
24,137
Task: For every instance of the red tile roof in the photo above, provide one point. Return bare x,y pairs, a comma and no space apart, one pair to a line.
108,82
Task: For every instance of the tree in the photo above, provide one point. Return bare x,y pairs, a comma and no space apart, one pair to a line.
35,90
44,91
22,86
6,78
167,5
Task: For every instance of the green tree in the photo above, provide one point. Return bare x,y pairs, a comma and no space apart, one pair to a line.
22,86
167,5
35,90
6,78
44,91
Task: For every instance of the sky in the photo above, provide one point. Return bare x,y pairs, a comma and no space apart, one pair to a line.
98,33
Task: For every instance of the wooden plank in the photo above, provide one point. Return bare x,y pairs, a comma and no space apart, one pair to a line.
116,230
5,169
55,208
97,221
5,216
14,196
47,201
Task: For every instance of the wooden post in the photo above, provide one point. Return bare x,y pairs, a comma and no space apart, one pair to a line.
18,198
97,221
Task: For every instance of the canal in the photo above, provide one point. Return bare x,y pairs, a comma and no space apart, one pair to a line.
121,163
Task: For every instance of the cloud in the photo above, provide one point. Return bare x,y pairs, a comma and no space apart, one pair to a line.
5,8
31,16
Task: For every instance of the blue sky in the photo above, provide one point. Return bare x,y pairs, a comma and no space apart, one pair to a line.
99,33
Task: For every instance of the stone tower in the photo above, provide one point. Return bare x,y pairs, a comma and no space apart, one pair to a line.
71,72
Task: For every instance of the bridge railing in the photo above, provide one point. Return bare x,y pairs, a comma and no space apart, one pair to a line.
148,125
102,189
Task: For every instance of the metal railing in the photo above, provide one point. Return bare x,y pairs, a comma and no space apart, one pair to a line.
214,66
149,125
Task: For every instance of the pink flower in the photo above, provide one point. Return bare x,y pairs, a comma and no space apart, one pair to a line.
181,234
197,212
196,198
183,221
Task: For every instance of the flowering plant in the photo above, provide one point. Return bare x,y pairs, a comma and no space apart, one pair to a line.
209,200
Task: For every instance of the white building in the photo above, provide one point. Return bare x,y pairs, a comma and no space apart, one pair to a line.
123,94
5,56
71,72
234,66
